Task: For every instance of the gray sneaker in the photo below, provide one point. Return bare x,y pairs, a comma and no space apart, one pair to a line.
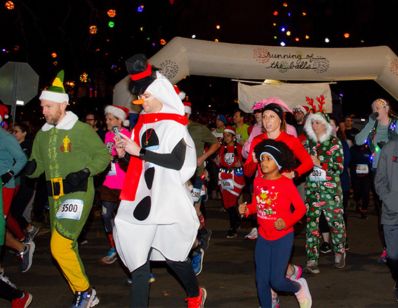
339,260
26,256
85,299
5,279
32,233
312,267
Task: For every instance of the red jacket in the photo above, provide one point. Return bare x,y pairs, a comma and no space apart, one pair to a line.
292,142
272,199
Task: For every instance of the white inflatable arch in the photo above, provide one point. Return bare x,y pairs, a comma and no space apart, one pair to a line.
182,57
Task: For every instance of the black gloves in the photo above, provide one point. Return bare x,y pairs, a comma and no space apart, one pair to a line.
76,178
6,177
30,167
374,116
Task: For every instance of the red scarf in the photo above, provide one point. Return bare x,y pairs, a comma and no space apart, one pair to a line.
136,164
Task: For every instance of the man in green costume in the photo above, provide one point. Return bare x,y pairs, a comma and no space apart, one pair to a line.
70,153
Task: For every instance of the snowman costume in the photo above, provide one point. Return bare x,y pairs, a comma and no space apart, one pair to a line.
156,219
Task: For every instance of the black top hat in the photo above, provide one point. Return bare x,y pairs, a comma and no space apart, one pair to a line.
142,74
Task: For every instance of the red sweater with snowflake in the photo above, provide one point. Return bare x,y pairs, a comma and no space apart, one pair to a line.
272,199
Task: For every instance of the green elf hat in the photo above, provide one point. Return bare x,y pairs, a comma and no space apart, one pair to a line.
56,92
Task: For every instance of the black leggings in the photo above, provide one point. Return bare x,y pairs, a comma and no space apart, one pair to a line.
234,218
140,285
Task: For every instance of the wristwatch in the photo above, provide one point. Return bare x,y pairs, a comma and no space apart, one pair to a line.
142,153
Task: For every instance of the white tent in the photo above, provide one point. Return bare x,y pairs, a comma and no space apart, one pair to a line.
182,57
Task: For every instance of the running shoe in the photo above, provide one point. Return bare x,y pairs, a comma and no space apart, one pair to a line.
231,234
252,235
32,233
110,257
26,256
312,267
7,280
339,260
325,248
303,295
383,257
22,302
298,272
198,301
197,261
85,299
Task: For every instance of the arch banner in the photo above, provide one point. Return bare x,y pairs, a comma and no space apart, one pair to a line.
292,94
182,57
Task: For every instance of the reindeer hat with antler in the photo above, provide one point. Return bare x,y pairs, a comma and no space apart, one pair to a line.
317,114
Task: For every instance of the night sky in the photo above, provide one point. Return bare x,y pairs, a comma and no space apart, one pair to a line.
35,29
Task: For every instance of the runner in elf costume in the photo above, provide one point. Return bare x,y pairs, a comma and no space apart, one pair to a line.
156,219
323,189
70,153
231,178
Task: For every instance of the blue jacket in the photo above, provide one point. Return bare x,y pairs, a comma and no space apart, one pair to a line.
12,158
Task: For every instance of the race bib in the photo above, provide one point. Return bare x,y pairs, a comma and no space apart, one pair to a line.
317,175
70,209
227,184
112,171
362,169
195,194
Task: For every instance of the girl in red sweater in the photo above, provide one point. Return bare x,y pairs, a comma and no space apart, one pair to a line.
273,195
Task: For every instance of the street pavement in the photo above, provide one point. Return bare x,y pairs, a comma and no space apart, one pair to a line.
228,273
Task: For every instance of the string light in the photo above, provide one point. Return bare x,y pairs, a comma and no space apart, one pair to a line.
92,29
111,13
84,77
218,27
346,35
140,8
9,5
162,42
54,55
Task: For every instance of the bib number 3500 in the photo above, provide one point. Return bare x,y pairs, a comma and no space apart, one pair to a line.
70,209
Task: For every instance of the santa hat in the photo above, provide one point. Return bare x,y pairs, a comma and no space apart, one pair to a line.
3,112
323,118
188,107
119,112
230,130
181,94
56,92
301,108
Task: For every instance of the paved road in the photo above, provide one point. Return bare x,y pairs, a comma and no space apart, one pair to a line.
228,274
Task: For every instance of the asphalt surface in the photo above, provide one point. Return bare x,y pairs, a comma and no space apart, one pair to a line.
228,273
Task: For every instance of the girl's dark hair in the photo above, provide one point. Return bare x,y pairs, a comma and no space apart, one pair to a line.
285,157
24,127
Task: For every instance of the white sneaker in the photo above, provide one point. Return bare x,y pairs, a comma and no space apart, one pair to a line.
303,295
252,235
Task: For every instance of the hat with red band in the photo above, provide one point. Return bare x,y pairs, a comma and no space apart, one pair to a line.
142,74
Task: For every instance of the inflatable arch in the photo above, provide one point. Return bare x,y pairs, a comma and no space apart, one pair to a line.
182,57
